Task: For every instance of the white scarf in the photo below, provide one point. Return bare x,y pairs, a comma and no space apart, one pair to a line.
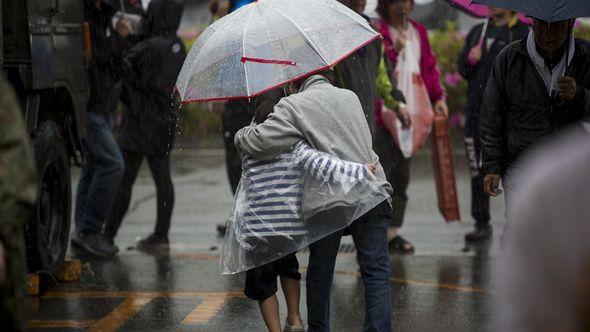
549,77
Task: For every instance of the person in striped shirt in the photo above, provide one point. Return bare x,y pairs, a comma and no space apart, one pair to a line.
270,217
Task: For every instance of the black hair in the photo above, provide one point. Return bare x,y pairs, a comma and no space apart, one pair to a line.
265,104
327,74
383,8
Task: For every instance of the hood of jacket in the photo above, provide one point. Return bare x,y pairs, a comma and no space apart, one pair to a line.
100,16
163,17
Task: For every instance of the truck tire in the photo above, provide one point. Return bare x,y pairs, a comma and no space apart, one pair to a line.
47,233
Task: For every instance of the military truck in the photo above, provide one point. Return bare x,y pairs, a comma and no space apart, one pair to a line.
44,53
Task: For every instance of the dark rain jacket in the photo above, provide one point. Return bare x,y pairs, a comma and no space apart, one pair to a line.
477,75
517,111
359,74
151,68
106,65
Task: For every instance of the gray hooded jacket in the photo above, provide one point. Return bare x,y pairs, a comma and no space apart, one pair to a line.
328,118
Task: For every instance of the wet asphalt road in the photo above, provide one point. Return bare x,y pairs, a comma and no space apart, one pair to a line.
443,287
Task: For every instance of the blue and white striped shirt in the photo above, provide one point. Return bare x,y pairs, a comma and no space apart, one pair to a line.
274,188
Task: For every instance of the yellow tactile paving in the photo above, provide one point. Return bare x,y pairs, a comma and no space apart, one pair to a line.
424,283
133,303
98,294
205,310
212,303
60,324
120,315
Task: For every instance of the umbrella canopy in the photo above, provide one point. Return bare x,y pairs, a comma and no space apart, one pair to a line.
546,10
478,11
268,43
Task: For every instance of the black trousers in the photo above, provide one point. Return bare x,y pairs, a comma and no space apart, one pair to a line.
480,202
160,169
238,114
397,172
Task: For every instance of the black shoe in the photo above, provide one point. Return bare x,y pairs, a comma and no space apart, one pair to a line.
480,234
153,243
111,241
400,245
95,244
221,229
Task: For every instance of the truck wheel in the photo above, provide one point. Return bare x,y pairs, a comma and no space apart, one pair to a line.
48,231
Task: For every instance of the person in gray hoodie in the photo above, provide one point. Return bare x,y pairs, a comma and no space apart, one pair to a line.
331,120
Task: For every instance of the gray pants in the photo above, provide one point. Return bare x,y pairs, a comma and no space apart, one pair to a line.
397,172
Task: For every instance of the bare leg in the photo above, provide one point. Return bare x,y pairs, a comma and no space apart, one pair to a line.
292,291
270,312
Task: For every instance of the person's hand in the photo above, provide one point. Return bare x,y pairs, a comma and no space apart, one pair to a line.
2,266
371,167
567,88
441,108
491,182
239,152
475,54
404,117
123,27
400,43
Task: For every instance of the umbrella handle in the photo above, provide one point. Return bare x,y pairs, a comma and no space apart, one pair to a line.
268,61
484,30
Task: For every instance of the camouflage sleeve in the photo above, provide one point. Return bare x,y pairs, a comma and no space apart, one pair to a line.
17,169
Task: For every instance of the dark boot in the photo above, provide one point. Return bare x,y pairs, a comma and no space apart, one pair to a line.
480,234
153,243
221,229
111,241
95,244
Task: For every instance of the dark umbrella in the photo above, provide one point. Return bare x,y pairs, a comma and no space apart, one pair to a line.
546,10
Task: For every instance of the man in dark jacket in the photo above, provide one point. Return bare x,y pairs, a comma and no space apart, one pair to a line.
475,63
149,124
103,170
367,73
537,86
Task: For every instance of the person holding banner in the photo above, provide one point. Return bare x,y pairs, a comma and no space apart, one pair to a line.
483,43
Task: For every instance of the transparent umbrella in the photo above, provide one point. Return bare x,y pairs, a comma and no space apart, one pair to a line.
268,43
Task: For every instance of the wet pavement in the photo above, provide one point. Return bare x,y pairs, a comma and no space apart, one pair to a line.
444,286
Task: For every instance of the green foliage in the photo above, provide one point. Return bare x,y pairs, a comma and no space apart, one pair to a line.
447,44
198,121
582,30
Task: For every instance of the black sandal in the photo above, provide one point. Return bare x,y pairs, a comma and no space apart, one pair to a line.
400,245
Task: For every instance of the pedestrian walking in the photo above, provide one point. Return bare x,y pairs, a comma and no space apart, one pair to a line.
537,86
414,67
309,115
102,173
329,119
149,124
18,192
483,43
271,221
